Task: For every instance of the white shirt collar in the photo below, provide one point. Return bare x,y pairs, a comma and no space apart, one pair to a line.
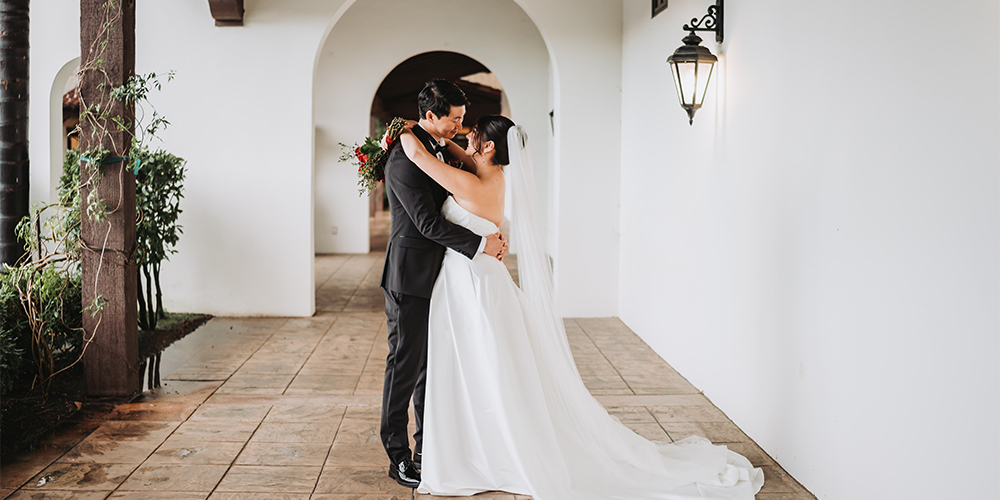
440,142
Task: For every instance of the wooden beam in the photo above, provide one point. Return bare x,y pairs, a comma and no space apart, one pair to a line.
227,12
111,359
659,6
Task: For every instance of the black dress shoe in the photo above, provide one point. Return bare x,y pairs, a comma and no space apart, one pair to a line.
417,459
405,473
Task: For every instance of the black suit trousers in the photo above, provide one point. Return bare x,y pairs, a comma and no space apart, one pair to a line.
405,372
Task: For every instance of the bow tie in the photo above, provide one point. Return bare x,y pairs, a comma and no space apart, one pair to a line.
437,148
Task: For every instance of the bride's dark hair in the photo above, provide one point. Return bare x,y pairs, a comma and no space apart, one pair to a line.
492,128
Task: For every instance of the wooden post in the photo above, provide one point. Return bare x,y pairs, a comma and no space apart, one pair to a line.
13,125
107,42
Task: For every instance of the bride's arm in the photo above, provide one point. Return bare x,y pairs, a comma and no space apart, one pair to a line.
458,182
459,153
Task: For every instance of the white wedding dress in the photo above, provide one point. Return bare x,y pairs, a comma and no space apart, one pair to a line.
505,407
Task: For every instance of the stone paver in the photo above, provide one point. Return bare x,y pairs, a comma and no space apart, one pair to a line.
288,409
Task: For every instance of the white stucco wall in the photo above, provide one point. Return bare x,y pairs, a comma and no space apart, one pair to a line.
496,33
243,110
819,251
54,48
584,37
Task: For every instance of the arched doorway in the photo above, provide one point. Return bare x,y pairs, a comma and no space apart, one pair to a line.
351,66
64,114
397,96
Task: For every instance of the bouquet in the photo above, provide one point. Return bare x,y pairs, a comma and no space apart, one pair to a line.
370,158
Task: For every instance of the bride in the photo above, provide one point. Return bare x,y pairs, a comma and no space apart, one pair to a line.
505,407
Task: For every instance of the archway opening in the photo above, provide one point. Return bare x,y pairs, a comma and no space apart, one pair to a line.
344,89
397,97
71,113
64,115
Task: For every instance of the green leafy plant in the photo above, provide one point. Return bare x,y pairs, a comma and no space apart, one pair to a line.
41,314
159,190
14,332
40,297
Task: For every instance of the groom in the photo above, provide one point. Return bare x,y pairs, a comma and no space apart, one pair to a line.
413,258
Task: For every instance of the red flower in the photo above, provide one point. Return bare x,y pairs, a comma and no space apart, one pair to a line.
357,152
363,157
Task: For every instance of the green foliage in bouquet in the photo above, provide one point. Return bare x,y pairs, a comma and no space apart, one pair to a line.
370,158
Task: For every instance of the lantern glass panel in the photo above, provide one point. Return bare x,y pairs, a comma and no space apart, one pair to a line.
704,75
677,83
686,80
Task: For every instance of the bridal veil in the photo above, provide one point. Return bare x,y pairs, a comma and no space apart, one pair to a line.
605,459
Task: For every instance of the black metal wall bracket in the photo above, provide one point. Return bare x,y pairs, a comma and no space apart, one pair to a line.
710,22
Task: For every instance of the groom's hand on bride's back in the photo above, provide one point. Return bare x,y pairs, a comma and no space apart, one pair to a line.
496,246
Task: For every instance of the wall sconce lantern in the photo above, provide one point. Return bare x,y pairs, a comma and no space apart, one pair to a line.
692,64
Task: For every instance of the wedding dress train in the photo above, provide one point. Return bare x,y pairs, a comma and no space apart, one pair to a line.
505,407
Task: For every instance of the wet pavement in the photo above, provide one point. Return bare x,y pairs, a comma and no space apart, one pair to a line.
288,408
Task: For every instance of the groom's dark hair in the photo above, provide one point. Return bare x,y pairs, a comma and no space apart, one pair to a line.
438,96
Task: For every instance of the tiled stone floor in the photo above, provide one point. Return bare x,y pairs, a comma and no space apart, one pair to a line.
288,409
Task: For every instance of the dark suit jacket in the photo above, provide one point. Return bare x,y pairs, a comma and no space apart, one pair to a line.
419,232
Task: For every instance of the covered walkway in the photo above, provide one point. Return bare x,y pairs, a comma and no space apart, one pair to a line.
288,409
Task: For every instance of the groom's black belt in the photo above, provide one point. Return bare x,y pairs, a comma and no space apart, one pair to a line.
411,242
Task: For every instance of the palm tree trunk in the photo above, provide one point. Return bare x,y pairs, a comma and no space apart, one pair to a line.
13,126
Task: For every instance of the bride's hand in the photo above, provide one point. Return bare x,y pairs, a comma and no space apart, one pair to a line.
384,141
